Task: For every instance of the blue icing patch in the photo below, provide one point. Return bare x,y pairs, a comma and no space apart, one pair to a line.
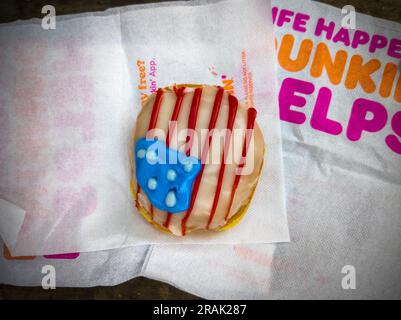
165,175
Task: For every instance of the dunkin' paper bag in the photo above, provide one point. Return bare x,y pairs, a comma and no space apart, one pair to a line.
69,98
340,106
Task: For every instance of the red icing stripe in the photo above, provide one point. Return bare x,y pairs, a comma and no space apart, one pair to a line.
152,124
250,125
180,96
193,116
156,109
168,220
205,150
232,112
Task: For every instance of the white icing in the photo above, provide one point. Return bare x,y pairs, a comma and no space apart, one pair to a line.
171,175
171,199
152,183
141,153
188,165
151,157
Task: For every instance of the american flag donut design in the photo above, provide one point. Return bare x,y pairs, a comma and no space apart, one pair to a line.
207,123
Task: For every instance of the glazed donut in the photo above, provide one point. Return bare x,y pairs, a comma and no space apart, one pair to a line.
196,157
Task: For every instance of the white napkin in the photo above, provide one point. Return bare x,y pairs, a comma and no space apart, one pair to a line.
343,199
69,105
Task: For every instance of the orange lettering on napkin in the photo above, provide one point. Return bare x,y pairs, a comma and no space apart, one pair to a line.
284,54
8,256
359,72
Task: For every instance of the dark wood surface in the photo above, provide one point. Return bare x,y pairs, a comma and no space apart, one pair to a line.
11,10
139,288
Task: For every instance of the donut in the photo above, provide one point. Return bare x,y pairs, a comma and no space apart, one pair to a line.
196,156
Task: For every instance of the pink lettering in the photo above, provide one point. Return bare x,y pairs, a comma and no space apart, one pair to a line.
321,27
394,142
319,119
394,49
284,16
287,98
300,22
377,42
359,121
360,38
342,36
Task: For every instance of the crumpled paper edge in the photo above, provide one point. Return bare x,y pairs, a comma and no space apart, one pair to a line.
11,220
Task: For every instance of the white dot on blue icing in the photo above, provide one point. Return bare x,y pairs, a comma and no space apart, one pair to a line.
141,153
171,200
152,184
188,166
151,156
171,175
